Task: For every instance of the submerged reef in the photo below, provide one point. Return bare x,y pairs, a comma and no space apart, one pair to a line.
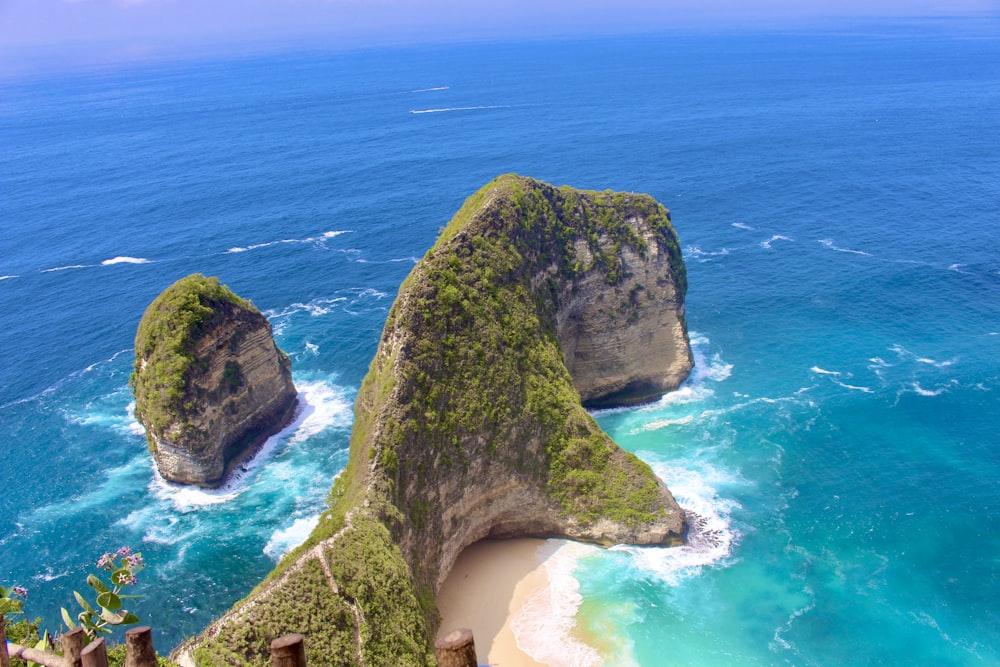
470,422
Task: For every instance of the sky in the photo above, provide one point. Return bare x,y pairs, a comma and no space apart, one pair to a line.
133,29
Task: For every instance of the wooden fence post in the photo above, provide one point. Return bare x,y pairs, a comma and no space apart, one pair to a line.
72,645
456,649
139,651
289,651
95,654
4,658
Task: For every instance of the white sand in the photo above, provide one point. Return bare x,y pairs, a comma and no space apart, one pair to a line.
490,583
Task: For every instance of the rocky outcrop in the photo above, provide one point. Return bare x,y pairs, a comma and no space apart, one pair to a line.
210,384
625,343
470,425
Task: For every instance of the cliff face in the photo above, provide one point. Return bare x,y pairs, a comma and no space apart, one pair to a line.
469,423
209,381
625,343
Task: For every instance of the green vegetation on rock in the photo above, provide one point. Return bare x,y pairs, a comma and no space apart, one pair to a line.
163,346
468,397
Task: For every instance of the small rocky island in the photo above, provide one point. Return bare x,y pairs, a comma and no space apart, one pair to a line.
471,423
210,384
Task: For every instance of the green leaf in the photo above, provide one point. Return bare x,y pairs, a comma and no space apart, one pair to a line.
109,600
83,602
111,618
67,619
129,619
5,605
96,583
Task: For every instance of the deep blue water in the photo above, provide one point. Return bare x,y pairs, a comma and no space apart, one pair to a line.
838,200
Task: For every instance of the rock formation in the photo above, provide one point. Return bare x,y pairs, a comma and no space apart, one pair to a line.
469,423
210,384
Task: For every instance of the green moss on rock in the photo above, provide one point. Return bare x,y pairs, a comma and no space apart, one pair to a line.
164,346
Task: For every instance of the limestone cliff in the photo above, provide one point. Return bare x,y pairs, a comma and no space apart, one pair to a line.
469,423
210,384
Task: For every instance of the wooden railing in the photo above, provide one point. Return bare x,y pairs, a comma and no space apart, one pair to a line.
456,649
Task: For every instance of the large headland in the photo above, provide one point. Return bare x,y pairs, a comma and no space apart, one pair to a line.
534,302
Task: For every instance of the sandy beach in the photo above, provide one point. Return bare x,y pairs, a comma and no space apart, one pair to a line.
490,582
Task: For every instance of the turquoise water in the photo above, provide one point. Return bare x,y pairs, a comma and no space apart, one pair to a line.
837,197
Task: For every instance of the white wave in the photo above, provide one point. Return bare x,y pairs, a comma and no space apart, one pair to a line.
370,292
742,225
309,239
125,260
473,108
867,390
284,540
428,90
829,244
320,406
823,371
543,626
66,268
695,387
49,575
696,251
906,354
315,308
7,277
879,362
664,423
312,348
937,364
917,389
124,422
185,498
776,237
711,536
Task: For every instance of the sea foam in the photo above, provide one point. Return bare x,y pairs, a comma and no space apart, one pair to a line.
711,536
543,626
320,406
472,108
316,240
286,539
830,244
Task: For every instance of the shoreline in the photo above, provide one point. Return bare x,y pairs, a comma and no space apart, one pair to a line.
497,585
490,583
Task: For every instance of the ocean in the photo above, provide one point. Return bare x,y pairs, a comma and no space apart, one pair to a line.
837,197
